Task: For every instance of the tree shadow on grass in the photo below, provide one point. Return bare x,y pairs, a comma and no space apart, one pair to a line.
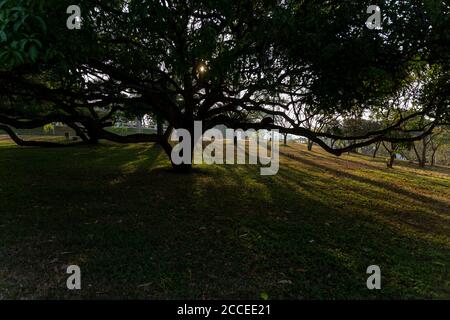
311,235
379,161
358,198
222,232
383,185
379,184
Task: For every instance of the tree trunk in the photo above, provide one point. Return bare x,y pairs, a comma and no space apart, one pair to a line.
391,151
159,126
423,161
310,144
377,147
433,158
390,163
182,168
139,124
165,144
419,160
93,133
79,132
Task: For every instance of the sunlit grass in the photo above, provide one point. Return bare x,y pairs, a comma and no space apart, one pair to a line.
138,230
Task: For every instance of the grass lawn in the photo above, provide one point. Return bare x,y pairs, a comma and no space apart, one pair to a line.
137,230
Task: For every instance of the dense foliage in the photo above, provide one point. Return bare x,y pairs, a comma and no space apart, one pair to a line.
227,62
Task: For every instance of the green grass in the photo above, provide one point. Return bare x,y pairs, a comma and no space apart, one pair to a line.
137,230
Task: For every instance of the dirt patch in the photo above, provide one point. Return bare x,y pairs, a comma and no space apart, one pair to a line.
4,138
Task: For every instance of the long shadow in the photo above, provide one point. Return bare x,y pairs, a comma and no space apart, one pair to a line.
320,215
343,162
379,160
378,184
222,232
434,221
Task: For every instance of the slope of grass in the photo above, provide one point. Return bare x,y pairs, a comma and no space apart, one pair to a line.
137,230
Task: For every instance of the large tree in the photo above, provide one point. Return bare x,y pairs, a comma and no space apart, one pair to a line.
223,62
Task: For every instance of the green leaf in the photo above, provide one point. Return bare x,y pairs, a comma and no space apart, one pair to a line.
42,23
35,42
20,23
18,58
2,3
264,296
3,54
33,53
22,44
3,36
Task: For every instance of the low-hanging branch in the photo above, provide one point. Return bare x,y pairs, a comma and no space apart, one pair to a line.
25,143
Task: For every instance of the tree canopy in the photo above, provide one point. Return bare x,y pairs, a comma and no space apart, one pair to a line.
227,62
